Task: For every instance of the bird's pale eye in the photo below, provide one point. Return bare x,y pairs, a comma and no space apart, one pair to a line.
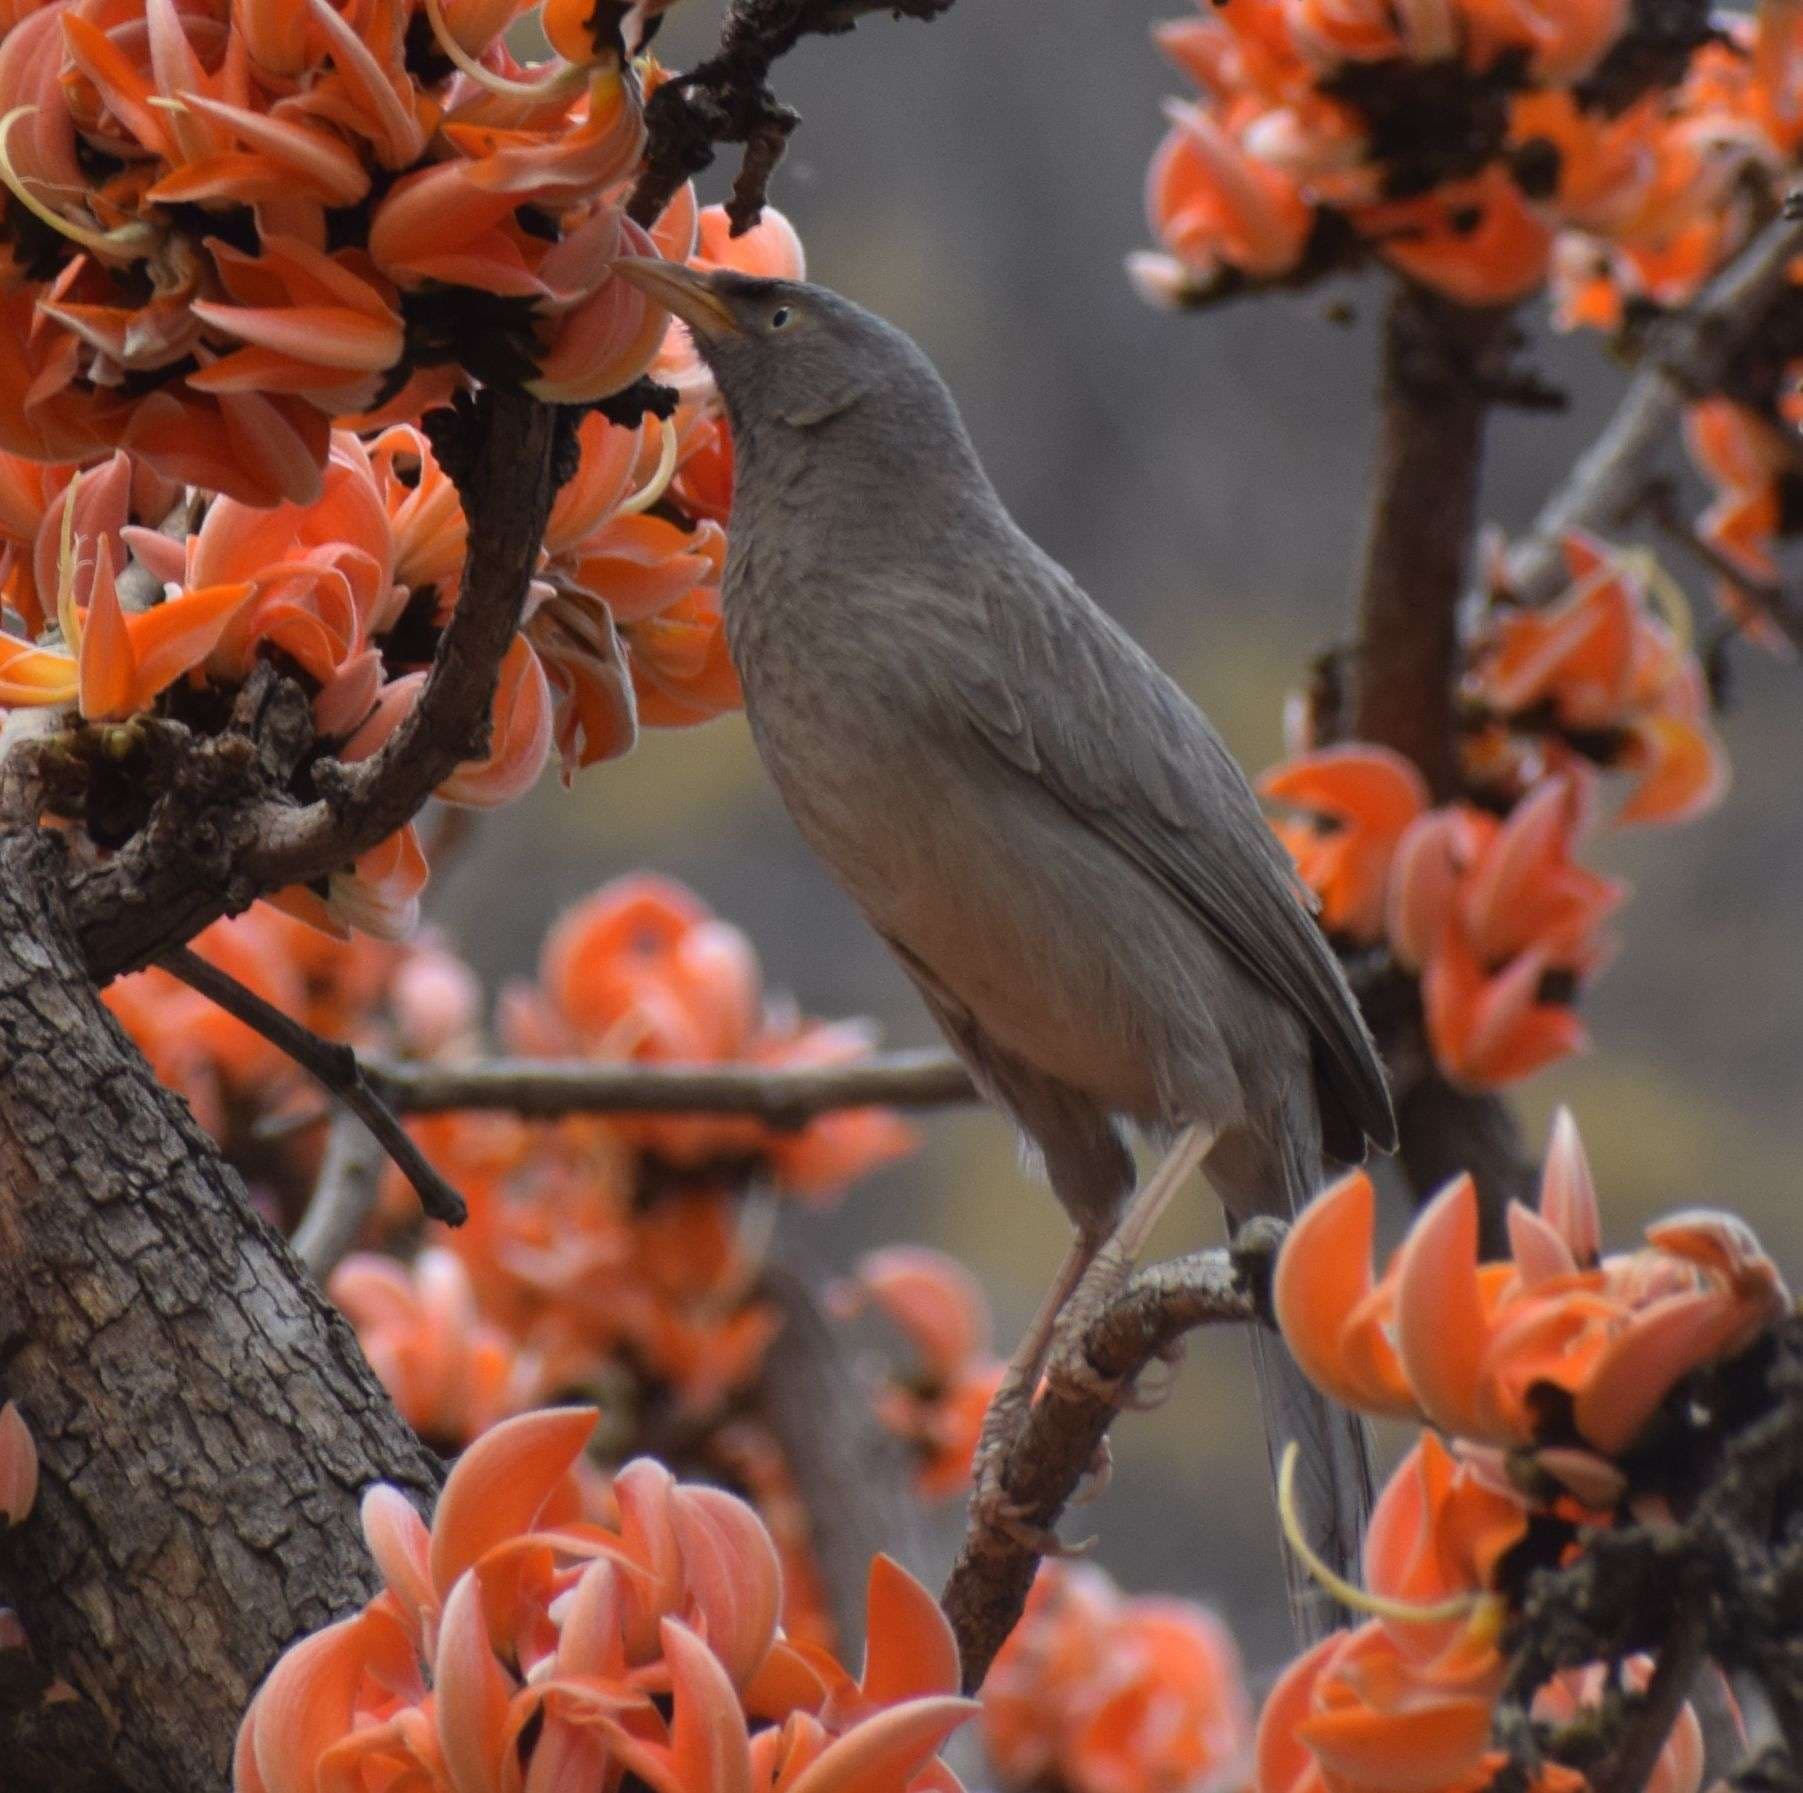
780,318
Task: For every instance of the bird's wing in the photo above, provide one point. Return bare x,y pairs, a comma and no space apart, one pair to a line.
1067,697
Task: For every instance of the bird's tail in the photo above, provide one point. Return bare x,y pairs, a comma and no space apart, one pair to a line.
1333,1476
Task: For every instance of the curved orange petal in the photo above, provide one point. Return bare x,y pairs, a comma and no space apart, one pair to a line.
305,1706
1322,1279
1568,1192
502,1483
912,1651
886,1750
18,1466
472,1693
1441,1328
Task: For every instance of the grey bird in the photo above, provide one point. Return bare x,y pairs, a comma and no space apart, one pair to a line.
1049,835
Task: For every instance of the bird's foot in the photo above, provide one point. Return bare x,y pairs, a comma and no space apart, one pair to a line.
1097,1477
992,1508
1152,1387
995,1511
1069,1371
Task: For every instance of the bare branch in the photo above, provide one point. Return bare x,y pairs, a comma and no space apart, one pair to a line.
1686,359
1441,362
332,1064
344,1197
853,1477
994,1572
727,99
543,1089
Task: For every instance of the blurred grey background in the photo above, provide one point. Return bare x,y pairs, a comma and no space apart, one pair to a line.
979,180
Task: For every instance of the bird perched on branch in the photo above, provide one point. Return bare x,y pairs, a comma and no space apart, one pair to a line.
1046,831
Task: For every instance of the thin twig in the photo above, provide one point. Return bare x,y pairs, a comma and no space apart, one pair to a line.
344,1196
1685,360
1766,597
1045,1463
330,1063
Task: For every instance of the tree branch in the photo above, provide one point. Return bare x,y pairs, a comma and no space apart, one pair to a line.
727,99
1045,1463
543,1089
226,832
1687,358
852,1476
1440,363
205,1421
332,1064
344,1196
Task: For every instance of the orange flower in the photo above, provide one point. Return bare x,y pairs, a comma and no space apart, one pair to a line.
1361,800
452,1374
1481,1350
1476,241
936,1404
18,1468
111,665
1602,666
515,1638
1102,1694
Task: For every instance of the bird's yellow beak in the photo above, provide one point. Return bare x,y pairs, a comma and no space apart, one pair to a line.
682,291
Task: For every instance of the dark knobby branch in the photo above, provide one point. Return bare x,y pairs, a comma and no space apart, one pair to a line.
1686,359
728,99
331,1063
851,1474
1721,1582
1065,1429
226,833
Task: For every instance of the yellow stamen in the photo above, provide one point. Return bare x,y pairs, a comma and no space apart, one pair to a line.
131,242
1666,593
659,483
567,79
67,616
1437,1612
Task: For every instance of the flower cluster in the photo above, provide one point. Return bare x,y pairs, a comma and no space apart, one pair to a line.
1481,147
516,1642
133,596
1098,1693
1483,899
937,1402
232,226
1553,1374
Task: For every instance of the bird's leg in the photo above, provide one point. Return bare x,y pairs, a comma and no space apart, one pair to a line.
989,1499
1068,1364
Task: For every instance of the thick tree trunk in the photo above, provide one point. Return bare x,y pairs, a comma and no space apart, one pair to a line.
206,1421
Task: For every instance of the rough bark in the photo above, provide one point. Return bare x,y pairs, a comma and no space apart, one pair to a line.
1441,366
1437,374
852,1475
206,1421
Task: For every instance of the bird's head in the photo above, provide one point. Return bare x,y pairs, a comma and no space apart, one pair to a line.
782,351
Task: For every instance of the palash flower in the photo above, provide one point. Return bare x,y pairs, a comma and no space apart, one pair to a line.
1360,800
277,222
1554,1346
1100,1693
517,1644
642,971
1603,666
452,1374
18,1468
1349,1717
1746,458
108,664
937,1403
1489,912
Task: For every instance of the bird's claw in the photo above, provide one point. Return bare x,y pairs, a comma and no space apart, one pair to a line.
1097,1477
